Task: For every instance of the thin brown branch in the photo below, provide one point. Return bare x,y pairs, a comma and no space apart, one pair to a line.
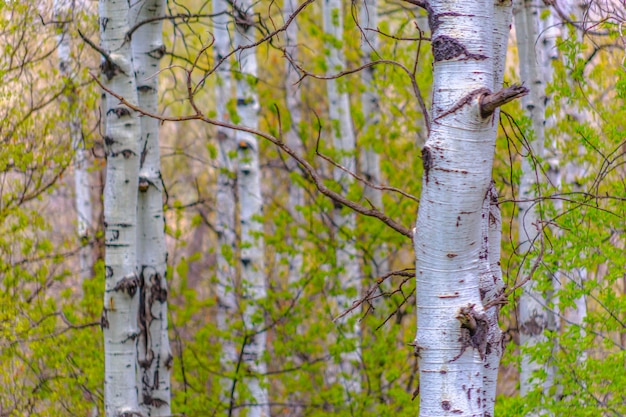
368,296
364,181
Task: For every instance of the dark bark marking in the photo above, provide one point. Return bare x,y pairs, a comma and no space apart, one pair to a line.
119,111
434,20
157,53
533,326
129,284
427,161
446,48
109,68
445,404
145,88
104,320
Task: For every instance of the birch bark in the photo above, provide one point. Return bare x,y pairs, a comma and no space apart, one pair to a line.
347,371
294,105
490,278
458,156
153,348
533,317
225,209
572,174
251,212
63,11
122,139
369,157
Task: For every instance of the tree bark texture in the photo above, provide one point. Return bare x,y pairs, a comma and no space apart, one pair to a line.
533,316
251,212
369,157
453,327
122,140
153,348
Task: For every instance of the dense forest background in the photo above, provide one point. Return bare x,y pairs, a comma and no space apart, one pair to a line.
314,360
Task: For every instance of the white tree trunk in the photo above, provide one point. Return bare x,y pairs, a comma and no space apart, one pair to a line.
369,158
225,209
63,10
491,283
153,348
294,141
122,139
571,176
533,316
452,327
251,211
347,262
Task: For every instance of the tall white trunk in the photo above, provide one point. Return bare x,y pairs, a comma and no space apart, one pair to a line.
491,283
533,316
122,139
225,209
573,172
251,211
294,141
347,262
453,329
63,10
153,348
369,158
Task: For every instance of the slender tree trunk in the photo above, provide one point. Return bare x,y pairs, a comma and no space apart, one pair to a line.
572,173
225,210
294,141
369,157
63,11
154,355
251,212
122,139
455,335
490,278
533,316
347,371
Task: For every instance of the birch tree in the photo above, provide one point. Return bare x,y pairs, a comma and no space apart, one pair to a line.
294,141
63,11
347,371
250,212
154,355
369,157
225,209
453,327
122,140
533,314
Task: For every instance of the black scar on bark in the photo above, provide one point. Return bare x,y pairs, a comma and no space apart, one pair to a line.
446,48
427,161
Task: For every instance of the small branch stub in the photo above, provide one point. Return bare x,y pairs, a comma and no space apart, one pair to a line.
490,102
